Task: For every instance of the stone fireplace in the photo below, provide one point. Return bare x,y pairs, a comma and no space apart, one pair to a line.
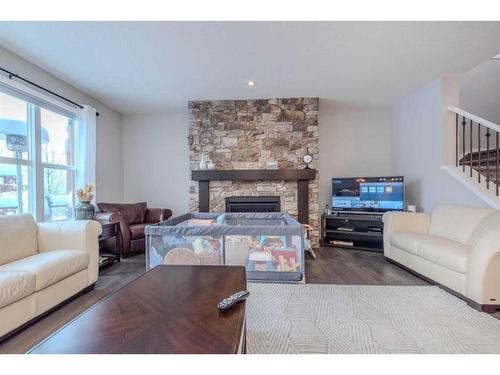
246,134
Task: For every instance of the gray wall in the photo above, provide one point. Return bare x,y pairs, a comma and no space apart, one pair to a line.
353,141
417,149
109,174
480,91
156,160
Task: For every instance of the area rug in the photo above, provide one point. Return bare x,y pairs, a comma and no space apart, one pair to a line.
365,319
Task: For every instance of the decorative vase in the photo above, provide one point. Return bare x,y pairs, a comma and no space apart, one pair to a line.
210,165
203,163
84,211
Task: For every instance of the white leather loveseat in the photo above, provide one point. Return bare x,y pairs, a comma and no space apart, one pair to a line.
456,246
42,265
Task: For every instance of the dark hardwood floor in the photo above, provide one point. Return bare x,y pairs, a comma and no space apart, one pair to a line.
355,267
332,266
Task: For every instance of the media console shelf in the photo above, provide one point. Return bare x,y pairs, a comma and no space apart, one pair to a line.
353,231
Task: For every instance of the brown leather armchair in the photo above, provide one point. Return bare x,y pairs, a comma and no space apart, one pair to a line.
132,218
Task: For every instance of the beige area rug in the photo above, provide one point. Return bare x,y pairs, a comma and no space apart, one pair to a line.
365,319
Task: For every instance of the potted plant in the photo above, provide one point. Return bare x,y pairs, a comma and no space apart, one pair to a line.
85,210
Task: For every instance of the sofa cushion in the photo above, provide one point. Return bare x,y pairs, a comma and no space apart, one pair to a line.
457,223
18,237
133,213
407,241
450,254
137,231
14,286
50,267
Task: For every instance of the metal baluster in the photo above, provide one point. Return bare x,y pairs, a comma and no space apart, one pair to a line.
496,170
470,155
479,152
463,143
488,134
456,140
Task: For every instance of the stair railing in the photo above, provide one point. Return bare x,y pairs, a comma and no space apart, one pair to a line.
473,146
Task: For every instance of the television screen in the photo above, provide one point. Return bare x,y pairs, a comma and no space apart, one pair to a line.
371,194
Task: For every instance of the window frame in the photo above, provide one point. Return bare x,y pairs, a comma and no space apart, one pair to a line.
28,162
41,166
35,101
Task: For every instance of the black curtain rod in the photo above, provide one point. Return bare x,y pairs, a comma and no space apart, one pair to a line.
13,75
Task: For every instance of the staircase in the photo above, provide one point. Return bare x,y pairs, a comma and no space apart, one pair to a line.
477,155
486,163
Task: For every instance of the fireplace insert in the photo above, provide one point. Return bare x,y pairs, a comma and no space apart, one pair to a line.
253,204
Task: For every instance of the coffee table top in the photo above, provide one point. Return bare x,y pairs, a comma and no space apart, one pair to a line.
169,309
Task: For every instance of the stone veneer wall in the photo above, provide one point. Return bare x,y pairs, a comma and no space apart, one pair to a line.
246,134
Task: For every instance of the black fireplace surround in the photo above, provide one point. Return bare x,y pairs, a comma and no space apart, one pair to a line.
253,204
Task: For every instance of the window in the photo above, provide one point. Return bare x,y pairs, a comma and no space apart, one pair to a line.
37,159
14,154
58,163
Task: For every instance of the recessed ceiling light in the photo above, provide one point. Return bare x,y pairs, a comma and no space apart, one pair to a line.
497,57
251,83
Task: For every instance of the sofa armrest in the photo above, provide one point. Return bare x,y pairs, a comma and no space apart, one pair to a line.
109,217
415,222
155,215
103,217
72,235
483,263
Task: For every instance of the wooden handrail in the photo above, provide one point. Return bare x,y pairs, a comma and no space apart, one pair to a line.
475,118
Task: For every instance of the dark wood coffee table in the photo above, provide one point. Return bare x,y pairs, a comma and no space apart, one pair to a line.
169,309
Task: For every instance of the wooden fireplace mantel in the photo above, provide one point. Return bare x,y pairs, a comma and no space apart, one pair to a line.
253,174
302,176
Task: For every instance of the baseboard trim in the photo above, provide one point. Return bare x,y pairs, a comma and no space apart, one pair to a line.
478,188
43,315
489,309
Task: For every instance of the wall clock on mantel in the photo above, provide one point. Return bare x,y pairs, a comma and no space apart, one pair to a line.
307,159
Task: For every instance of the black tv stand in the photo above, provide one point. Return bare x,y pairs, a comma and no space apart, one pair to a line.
353,230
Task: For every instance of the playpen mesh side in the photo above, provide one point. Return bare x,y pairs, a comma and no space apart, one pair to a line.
269,245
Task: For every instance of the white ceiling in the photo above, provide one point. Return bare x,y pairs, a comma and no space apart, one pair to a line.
141,67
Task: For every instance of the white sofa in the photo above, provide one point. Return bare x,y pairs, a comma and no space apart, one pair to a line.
42,265
456,246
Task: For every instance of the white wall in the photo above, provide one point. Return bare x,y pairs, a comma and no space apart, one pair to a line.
417,152
480,91
354,141
109,125
156,160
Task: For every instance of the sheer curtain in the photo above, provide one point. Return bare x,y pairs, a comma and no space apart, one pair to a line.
86,158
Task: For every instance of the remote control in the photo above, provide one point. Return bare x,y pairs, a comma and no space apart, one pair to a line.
228,302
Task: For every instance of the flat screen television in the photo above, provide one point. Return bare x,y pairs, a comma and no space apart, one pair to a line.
368,194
